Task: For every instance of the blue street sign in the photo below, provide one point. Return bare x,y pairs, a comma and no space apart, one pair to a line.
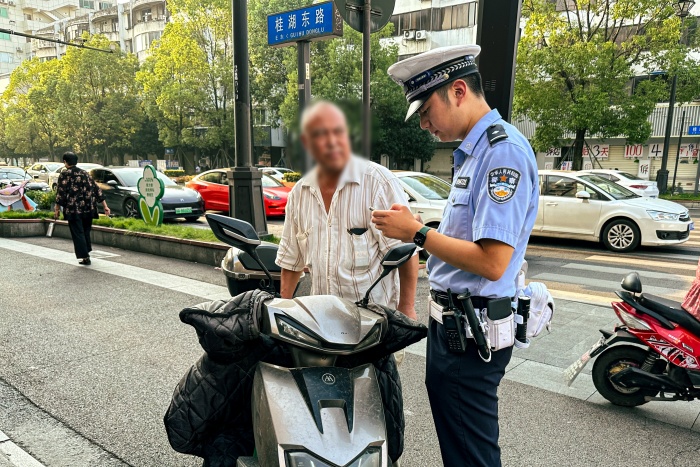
694,130
320,21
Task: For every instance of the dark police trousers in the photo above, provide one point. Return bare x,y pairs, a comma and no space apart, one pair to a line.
463,398
80,233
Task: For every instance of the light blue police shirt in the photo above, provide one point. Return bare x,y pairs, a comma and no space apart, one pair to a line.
494,195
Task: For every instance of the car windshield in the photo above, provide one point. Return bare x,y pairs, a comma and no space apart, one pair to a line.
611,188
428,186
13,175
269,182
131,177
53,166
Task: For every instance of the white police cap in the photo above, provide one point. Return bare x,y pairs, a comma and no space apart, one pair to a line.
426,72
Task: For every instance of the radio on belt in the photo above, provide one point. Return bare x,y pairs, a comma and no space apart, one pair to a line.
453,321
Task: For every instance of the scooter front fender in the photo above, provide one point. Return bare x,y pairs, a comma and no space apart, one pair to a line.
333,414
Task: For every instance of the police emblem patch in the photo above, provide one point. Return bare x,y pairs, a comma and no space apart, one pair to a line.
502,184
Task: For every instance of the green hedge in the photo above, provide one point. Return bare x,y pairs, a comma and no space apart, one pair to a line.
174,173
44,199
291,177
26,215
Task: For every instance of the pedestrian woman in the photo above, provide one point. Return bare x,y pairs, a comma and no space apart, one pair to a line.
78,195
691,303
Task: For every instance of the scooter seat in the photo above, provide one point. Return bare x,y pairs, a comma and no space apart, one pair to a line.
672,311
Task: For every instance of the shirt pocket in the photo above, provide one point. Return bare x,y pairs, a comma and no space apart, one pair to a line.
357,252
458,217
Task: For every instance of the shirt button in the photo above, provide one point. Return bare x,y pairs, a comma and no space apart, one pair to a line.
453,199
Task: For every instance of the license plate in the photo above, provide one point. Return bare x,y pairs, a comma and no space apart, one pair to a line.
183,210
571,373
691,226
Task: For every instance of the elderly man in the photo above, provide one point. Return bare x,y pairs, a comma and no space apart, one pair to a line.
328,226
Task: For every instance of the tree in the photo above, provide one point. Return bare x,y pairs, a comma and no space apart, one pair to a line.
99,108
336,75
188,80
574,68
31,114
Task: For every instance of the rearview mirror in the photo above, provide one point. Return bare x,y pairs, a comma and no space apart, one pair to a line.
112,183
583,195
234,232
241,235
393,259
398,255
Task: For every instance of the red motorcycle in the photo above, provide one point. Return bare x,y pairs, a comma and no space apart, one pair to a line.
652,356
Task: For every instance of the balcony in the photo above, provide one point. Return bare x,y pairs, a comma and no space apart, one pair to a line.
79,20
150,25
138,4
107,13
47,5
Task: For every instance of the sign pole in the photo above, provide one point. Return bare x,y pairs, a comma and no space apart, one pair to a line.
304,84
678,153
366,58
245,181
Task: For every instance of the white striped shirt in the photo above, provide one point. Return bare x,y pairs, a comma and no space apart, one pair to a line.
340,263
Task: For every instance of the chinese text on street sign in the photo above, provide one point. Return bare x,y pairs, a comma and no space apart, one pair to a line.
694,130
320,21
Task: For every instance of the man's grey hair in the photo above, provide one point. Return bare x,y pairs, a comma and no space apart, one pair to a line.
315,107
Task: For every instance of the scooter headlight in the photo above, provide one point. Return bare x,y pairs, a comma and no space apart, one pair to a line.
372,457
288,330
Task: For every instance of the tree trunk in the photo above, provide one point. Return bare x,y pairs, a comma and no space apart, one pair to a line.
578,150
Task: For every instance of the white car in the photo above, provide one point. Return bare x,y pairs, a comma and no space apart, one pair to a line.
275,172
427,195
43,170
53,178
644,188
589,207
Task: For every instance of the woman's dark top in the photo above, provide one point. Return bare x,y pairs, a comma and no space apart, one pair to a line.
77,194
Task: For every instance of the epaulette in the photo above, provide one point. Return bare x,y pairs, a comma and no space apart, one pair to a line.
496,133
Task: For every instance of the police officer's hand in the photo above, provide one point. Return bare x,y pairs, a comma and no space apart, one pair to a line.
397,223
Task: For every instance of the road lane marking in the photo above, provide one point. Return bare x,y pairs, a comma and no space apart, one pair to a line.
609,285
624,271
16,455
127,271
643,262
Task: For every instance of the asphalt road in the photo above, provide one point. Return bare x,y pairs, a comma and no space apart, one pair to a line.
90,357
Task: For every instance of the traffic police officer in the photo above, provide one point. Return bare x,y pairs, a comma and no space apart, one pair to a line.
479,247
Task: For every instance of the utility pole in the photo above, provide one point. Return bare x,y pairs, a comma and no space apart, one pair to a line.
245,181
304,83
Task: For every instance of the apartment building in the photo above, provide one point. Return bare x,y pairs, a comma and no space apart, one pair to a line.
133,25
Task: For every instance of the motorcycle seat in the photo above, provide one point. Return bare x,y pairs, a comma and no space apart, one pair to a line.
672,311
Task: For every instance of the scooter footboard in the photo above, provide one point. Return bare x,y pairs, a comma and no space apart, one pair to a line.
318,416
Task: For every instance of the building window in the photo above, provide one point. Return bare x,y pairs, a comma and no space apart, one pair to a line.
4,36
144,41
105,5
4,13
89,4
437,19
115,25
6,57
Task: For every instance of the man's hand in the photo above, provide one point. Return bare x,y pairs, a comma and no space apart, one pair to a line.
397,223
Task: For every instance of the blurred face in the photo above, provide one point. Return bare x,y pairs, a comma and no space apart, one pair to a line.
325,137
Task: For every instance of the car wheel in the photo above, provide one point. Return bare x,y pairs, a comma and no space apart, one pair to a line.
621,235
131,208
191,219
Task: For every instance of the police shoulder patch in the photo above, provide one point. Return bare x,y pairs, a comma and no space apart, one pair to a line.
502,184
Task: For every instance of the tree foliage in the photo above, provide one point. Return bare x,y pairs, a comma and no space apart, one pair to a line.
576,59
87,102
188,78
